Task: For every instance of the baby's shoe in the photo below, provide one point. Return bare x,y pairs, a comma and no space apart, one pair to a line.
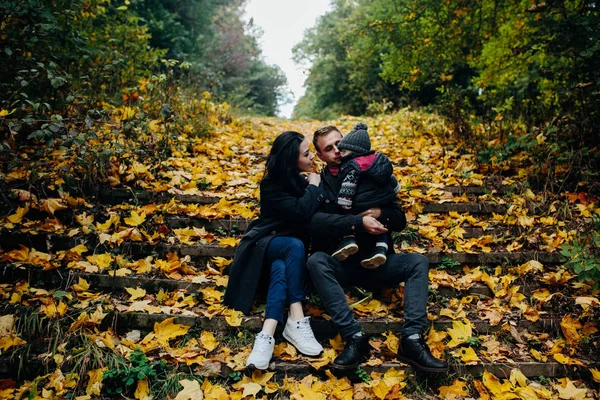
261,352
300,334
377,257
346,248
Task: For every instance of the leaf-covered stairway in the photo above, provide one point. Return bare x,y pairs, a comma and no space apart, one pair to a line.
86,281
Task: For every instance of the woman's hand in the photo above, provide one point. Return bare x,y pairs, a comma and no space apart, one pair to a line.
373,226
314,179
374,212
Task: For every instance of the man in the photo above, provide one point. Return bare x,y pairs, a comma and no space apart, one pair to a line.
329,275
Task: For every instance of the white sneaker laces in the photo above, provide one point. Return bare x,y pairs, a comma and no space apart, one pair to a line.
305,329
262,343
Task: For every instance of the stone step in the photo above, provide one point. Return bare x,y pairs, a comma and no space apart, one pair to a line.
63,278
200,252
238,226
125,321
123,195
551,369
9,369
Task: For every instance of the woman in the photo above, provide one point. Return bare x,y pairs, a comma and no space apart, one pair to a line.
272,249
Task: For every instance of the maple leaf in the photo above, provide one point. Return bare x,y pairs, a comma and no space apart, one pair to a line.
251,389
6,342
142,391
566,360
538,356
391,342
84,219
570,328
483,393
262,378
103,261
595,374
167,330
95,382
191,391
567,390
455,391
136,293
516,376
18,215
114,219
81,286
460,333
586,302
326,358
211,296
52,205
379,388
7,323
337,343
467,355
230,242
493,384
208,340
233,317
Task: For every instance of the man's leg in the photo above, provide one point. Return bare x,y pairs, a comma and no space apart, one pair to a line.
328,276
413,270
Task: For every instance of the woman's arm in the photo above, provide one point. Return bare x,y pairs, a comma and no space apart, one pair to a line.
280,203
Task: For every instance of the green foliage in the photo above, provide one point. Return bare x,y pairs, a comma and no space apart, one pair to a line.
235,376
63,60
123,379
474,341
496,70
362,374
448,263
507,150
583,255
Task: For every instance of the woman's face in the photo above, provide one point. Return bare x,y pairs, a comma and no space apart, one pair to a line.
305,158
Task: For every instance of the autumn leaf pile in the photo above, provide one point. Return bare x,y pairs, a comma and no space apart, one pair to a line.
133,269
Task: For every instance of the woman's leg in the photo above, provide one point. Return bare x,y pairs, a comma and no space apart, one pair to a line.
262,350
297,328
276,296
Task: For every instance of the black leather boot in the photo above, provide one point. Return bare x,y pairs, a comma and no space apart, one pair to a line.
356,350
416,353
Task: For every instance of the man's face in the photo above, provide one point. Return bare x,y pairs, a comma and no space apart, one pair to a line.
328,151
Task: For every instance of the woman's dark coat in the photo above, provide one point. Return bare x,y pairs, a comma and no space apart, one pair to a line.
282,213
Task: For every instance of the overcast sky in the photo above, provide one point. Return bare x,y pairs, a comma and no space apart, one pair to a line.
283,23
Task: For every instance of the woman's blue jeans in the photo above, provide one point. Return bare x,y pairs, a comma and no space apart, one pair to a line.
288,269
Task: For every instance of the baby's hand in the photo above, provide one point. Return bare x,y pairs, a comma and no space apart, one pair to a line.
347,207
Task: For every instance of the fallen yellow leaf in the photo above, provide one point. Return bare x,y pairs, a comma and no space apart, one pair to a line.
142,391
167,330
460,333
136,293
191,391
457,390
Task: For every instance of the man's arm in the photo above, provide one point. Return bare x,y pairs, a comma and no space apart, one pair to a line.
393,217
324,226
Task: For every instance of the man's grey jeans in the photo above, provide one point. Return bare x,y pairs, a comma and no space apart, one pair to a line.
329,276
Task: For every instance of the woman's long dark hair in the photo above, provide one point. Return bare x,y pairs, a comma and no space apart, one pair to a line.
282,163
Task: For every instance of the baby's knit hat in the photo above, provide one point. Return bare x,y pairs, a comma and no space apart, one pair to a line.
357,140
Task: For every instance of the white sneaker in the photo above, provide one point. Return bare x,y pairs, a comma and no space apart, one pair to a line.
261,352
301,336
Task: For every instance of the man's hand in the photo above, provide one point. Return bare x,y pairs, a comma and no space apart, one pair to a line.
373,226
314,179
374,212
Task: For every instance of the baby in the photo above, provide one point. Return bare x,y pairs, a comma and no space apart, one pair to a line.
367,182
